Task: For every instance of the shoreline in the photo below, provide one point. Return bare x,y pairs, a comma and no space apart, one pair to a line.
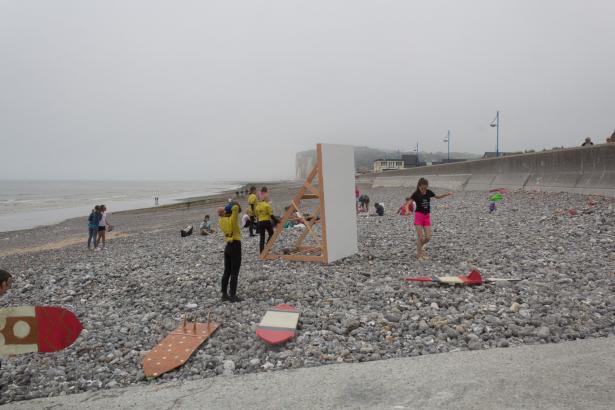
72,231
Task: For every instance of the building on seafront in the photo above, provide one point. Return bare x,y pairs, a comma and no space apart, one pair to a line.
388,164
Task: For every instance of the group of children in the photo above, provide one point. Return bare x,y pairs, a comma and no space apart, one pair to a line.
98,225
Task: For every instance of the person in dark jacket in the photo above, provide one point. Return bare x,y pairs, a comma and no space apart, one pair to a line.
93,220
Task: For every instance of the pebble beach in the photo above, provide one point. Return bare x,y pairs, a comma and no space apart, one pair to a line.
131,295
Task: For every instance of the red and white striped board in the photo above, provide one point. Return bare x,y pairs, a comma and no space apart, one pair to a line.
279,325
27,329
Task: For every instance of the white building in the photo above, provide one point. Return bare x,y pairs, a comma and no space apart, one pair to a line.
388,164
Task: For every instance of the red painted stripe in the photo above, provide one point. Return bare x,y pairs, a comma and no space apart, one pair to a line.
275,337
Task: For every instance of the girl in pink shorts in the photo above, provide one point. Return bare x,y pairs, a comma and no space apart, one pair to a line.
422,221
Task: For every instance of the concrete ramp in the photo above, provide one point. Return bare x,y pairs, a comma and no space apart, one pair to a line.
572,375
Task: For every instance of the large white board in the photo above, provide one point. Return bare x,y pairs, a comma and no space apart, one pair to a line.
338,184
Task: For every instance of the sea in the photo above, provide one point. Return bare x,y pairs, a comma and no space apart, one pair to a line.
28,204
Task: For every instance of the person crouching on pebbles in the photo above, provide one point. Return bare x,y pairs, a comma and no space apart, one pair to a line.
232,251
422,221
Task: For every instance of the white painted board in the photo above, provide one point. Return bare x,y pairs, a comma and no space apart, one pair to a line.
338,185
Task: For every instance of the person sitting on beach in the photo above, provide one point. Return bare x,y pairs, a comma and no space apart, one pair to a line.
103,226
232,250
245,221
588,142
6,280
406,208
379,208
264,215
93,220
206,226
364,203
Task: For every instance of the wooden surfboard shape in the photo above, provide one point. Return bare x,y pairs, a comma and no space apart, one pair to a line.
27,329
279,325
177,347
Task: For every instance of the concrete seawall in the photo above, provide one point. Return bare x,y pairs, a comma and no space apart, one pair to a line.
585,170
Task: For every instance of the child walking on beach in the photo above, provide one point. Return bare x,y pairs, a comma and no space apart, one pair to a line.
422,220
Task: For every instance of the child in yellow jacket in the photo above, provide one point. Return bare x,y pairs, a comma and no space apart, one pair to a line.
229,226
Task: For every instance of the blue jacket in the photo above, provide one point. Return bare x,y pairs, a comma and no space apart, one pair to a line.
93,220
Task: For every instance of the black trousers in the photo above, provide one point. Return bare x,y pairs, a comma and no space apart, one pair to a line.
232,263
253,225
262,227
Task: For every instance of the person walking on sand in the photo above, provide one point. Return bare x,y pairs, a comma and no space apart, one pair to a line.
252,210
93,220
264,214
422,220
229,226
103,226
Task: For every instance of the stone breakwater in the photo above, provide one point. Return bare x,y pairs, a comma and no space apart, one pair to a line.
358,309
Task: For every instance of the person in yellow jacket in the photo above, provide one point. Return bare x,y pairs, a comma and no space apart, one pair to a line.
229,226
252,210
263,215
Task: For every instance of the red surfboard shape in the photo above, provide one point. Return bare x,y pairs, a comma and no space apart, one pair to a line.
279,325
474,278
45,329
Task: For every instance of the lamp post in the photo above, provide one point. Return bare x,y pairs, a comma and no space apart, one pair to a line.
417,154
448,141
496,123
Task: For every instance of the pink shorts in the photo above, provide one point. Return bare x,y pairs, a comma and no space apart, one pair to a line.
422,219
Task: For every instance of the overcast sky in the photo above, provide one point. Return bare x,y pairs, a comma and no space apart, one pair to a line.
232,89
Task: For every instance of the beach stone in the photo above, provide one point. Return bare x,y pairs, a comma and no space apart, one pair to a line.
515,307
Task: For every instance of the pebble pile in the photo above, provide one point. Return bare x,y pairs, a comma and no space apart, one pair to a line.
131,295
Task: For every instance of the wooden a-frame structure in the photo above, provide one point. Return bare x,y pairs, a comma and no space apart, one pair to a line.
308,191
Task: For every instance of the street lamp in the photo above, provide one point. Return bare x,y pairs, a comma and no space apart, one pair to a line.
496,123
417,154
448,141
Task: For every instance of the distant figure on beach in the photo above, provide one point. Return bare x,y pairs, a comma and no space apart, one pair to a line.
406,208
588,142
245,221
206,226
93,220
422,221
103,226
379,208
252,210
6,280
232,250
264,215
156,201
364,203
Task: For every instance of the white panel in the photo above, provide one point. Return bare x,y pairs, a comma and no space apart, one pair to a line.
340,204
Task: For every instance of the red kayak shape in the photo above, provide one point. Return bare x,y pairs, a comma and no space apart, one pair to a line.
27,329
279,325
474,278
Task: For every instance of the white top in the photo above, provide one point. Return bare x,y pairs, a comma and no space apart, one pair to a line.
103,220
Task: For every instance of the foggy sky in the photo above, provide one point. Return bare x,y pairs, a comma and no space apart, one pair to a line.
232,89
